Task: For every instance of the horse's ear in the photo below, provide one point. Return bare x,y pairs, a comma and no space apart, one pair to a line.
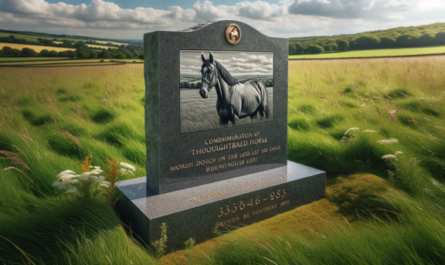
203,58
211,57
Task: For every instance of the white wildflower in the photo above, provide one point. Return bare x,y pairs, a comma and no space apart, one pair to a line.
392,111
72,190
370,131
56,183
426,118
66,172
363,105
389,157
67,177
96,171
105,184
74,180
128,166
64,184
351,129
389,141
84,176
398,153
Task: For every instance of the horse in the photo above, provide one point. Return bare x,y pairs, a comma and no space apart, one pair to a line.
243,100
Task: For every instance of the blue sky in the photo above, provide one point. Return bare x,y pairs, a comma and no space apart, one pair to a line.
130,19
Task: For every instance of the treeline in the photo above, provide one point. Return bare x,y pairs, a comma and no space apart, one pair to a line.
421,36
49,42
82,51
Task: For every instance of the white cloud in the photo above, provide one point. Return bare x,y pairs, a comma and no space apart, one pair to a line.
288,18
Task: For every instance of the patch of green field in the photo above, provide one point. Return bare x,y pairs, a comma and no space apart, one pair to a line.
373,53
391,213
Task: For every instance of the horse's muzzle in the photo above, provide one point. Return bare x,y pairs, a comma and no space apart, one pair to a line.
203,93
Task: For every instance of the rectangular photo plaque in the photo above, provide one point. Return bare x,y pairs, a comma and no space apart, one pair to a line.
234,82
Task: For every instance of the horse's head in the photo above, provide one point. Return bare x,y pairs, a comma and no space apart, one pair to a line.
209,73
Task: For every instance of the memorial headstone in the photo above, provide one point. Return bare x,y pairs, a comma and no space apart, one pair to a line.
216,134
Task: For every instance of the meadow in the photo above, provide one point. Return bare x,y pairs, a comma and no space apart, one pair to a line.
36,48
373,53
376,126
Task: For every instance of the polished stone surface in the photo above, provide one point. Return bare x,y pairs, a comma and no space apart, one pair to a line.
166,146
197,212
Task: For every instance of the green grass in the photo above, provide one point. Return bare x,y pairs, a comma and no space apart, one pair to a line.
393,216
373,53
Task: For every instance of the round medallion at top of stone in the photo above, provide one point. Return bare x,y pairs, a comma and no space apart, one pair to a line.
233,34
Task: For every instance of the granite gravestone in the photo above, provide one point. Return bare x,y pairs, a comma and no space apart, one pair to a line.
216,134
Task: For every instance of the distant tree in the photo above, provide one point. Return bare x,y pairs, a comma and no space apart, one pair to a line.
406,40
135,54
387,42
141,57
67,43
128,53
328,48
300,48
426,39
292,48
343,45
315,49
44,53
7,51
368,42
104,54
63,54
48,42
121,55
439,39
83,55
334,46
53,54
26,52
93,55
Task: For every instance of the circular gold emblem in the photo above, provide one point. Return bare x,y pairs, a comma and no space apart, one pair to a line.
233,34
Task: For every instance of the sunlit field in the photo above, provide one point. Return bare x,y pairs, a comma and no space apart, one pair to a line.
376,126
373,53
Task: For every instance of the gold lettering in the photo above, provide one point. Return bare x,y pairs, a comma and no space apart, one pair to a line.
181,166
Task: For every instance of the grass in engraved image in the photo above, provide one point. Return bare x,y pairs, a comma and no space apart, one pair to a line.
224,89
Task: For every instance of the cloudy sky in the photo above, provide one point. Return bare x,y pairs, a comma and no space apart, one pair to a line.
130,19
237,63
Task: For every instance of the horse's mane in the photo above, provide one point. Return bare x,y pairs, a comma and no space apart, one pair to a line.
226,75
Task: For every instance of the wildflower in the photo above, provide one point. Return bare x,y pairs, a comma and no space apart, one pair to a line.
125,172
65,173
370,131
389,157
398,153
392,111
128,166
72,190
351,129
389,141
